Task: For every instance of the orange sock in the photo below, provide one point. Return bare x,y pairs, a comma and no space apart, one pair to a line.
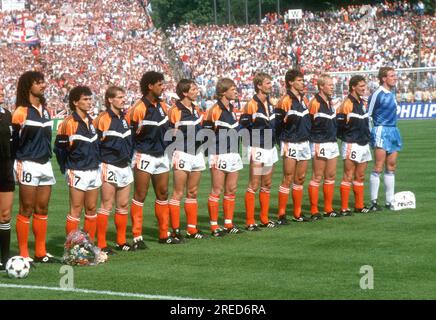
313,196
264,196
297,198
359,194
22,228
191,210
90,226
136,215
213,208
102,220
121,217
283,201
345,194
40,231
250,198
174,206
329,190
72,224
162,212
229,210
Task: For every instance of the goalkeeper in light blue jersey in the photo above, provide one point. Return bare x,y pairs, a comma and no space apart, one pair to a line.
385,136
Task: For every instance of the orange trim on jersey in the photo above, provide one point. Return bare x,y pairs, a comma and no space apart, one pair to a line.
68,127
214,113
285,103
251,107
346,107
102,122
174,115
314,106
137,112
19,116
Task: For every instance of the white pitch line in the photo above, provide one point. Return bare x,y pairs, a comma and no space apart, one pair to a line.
107,293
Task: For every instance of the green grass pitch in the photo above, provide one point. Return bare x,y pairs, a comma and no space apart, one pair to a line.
319,260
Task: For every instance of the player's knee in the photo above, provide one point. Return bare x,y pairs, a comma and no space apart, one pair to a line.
378,168
91,211
347,177
360,177
287,180
299,179
27,210
254,184
107,206
267,185
330,176
217,190
122,205
177,195
139,196
317,178
231,189
42,211
5,216
162,196
76,207
91,208
192,194
391,167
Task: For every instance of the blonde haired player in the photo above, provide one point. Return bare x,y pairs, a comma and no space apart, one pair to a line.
324,148
224,158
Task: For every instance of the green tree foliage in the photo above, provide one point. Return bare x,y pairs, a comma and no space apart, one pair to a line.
175,12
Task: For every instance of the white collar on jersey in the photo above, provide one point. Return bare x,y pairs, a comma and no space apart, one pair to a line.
385,90
2,110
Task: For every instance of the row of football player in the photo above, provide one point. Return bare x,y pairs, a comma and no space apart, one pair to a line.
307,130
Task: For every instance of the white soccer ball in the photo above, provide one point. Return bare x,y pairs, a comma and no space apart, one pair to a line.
17,267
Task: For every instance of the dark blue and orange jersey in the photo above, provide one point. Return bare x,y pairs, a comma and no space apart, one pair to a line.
6,137
257,116
294,122
115,138
149,123
77,145
33,126
188,121
353,121
323,115
225,124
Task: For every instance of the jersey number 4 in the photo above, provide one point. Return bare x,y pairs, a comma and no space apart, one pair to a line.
322,152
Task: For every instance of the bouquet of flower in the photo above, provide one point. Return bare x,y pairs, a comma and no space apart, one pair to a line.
79,251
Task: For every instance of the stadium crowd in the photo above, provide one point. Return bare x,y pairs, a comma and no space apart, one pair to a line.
101,43
83,42
364,38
